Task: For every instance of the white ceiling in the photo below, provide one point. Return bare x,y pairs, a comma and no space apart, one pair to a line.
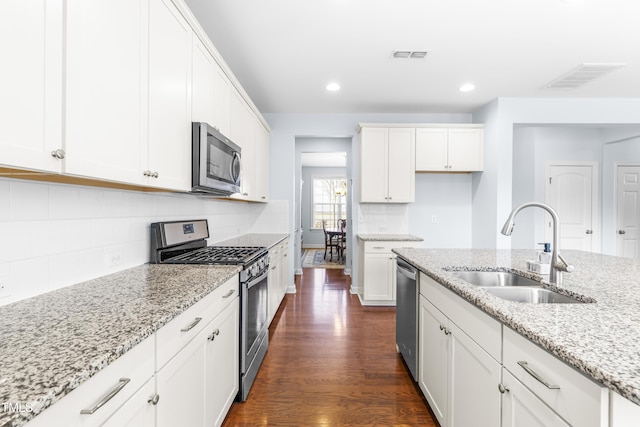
284,52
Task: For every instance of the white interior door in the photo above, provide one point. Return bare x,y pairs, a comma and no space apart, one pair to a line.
628,211
571,190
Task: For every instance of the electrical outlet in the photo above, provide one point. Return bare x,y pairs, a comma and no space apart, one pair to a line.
113,259
434,219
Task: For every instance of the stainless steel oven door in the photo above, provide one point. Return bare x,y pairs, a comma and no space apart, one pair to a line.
253,319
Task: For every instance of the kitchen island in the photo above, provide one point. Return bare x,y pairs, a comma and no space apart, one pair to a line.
600,338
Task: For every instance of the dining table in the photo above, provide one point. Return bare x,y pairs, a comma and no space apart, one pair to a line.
339,234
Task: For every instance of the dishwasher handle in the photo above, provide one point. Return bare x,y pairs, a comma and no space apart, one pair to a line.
406,269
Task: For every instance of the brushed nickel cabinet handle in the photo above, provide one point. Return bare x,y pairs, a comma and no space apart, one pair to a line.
59,153
107,397
502,389
154,399
213,335
622,232
191,325
524,365
228,294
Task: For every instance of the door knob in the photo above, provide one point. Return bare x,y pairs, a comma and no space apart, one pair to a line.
622,232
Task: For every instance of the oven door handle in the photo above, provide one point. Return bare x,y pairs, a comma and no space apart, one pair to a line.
257,280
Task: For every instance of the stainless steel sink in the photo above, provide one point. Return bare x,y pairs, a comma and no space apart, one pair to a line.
513,287
494,278
531,295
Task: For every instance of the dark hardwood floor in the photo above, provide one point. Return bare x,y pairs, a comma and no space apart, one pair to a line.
331,362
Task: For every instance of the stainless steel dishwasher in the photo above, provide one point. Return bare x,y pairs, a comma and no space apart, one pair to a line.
407,291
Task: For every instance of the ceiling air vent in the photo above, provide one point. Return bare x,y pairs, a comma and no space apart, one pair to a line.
416,54
582,75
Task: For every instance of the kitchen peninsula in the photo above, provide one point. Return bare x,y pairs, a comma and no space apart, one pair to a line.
599,338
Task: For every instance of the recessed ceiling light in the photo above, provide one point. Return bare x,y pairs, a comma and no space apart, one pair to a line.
467,87
333,87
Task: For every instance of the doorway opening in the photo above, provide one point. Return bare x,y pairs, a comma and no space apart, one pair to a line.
323,203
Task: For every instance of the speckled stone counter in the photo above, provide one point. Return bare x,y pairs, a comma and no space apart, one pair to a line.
253,239
600,339
54,342
389,238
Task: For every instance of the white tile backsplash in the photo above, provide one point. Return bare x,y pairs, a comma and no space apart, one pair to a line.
5,201
29,201
375,218
55,235
64,202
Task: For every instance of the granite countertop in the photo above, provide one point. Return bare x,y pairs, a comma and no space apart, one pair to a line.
253,239
53,342
600,339
389,237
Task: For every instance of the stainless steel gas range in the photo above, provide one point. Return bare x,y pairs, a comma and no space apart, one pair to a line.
184,242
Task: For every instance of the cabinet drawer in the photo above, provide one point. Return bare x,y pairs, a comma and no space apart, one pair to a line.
576,398
481,327
122,378
178,332
387,246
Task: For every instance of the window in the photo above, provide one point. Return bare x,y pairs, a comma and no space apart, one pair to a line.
329,201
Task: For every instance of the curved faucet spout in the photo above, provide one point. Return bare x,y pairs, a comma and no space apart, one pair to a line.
555,276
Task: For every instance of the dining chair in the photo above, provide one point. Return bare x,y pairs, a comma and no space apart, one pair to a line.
342,239
330,242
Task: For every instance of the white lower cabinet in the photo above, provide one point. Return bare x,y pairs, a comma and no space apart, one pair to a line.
198,385
459,379
572,396
623,412
222,365
278,282
377,284
196,358
121,386
520,407
181,386
433,365
475,371
138,411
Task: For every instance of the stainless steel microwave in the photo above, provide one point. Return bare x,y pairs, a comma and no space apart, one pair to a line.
216,162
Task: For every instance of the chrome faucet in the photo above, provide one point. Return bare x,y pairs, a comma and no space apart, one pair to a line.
555,273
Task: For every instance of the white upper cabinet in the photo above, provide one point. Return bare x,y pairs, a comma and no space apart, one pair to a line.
449,149
252,137
222,101
108,89
387,169
170,39
120,124
31,83
262,163
105,91
203,84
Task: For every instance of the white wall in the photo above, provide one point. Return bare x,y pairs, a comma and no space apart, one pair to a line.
448,198
285,128
56,235
492,192
533,148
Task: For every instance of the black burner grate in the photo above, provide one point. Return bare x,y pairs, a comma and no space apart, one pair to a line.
219,255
